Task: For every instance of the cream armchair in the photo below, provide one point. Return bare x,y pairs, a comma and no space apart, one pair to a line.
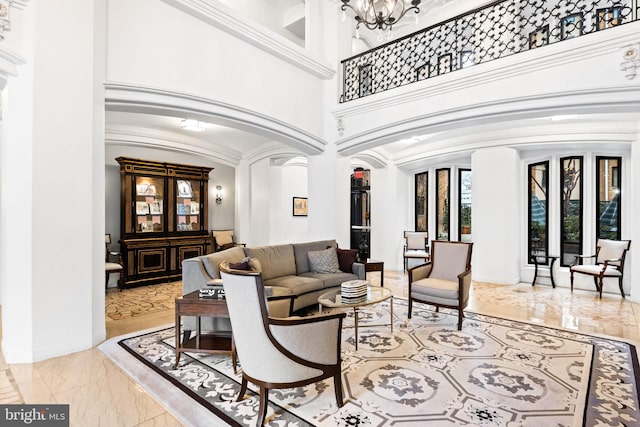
609,262
415,246
279,353
446,280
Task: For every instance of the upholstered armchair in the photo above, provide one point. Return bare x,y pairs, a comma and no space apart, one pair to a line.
279,353
609,262
113,263
445,281
224,239
416,246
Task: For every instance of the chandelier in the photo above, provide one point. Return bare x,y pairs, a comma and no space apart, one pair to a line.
380,14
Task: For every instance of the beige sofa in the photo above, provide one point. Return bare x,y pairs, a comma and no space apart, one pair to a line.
282,266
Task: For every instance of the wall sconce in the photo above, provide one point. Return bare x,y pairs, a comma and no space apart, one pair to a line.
218,194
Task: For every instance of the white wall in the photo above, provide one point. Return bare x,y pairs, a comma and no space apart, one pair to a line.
287,181
177,52
496,216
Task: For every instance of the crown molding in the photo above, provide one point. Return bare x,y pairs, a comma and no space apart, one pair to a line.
226,19
144,99
19,4
9,62
151,138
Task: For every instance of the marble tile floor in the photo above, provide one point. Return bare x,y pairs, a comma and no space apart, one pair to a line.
100,394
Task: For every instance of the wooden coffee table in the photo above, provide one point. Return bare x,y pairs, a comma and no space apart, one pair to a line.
213,342
375,295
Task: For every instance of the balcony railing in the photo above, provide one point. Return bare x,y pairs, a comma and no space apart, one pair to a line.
494,31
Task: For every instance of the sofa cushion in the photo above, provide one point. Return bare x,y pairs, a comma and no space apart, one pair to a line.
325,261
330,280
301,250
276,260
346,258
297,284
212,261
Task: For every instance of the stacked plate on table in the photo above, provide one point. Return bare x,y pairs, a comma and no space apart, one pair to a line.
353,291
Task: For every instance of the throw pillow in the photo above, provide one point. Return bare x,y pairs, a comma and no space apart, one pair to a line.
239,266
325,261
346,258
254,264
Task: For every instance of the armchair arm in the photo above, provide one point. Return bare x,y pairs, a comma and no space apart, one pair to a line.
464,283
194,275
577,257
358,270
420,272
615,262
293,335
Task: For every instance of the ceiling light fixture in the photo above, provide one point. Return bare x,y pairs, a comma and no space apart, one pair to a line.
379,14
563,117
193,125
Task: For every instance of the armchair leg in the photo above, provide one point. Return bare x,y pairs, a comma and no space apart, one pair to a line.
600,287
571,281
409,308
337,384
460,317
620,285
243,389
262,410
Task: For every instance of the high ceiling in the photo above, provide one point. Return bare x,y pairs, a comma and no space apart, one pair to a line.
413,152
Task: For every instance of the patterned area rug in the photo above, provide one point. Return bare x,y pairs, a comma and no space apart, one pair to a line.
140,301
495,372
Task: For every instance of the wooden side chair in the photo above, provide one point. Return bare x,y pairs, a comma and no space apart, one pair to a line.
113,263
279,353
224,239
445,281
609,262
416,246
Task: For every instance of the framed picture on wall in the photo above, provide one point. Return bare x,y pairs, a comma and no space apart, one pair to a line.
142,208
300,206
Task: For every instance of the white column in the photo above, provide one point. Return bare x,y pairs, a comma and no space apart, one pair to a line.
314,27
260,194
53,171
243,202
496,215
389,205
329,192
632,262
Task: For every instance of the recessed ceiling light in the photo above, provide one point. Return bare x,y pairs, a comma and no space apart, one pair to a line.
193,125
563,117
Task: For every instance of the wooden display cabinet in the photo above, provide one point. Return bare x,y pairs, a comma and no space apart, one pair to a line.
164,218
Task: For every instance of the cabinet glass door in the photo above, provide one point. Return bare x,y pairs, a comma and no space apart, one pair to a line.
149,204
188,199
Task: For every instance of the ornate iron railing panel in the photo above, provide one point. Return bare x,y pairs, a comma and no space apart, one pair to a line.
494,31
